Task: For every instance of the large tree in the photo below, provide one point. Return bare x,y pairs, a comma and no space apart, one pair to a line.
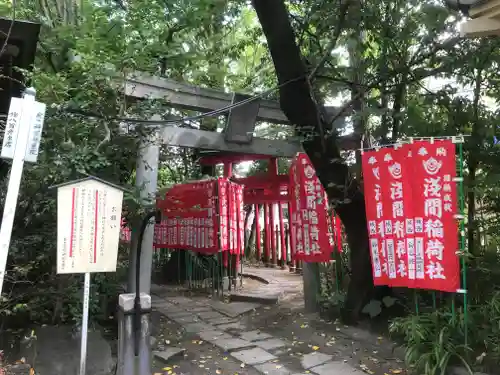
301,106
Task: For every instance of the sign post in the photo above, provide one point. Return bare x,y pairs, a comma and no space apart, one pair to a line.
88,234
23,128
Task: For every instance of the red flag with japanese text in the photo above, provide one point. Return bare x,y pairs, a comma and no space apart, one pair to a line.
189,218
434,207
310,235
410,204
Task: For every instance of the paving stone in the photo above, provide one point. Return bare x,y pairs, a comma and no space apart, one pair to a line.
210,315
223,320
198,327
197,309
232,344
168,353
186,319
180,300
177,314
229,326
211,336
255,335
314,359
161,302
270,344
271,368
253,356
234,309
279,352
331,368
168,307
264,297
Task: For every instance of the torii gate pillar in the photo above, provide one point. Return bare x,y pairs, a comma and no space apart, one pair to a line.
146,180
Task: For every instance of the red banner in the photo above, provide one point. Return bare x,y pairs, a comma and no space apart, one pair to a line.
375,215
310,236
413,238
435,202
337,232
190,218
230,214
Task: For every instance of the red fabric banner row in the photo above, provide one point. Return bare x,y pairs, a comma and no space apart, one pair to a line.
195,213
411,201
193,219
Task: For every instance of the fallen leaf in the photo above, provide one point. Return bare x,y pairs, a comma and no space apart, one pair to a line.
224,359
315,347
366,369
397,371
218,371
167,368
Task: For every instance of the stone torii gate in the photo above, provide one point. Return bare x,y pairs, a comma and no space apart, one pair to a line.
237,137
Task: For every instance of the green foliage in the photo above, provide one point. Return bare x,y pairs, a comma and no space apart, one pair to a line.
431,341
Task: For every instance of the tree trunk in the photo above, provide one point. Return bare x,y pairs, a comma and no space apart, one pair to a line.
296,101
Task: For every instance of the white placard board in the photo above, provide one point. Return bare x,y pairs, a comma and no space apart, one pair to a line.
35,134
12,128
88,226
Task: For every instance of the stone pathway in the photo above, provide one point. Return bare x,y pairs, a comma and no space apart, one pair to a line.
201,336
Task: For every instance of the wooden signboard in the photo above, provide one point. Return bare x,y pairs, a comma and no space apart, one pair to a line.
88,226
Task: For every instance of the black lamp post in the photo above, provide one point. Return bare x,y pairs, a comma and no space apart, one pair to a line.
137,302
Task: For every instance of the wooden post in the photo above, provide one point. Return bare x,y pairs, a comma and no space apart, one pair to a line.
257,233
273,262
266,235
284,249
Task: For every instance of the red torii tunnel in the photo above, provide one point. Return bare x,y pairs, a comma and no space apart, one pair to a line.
269,190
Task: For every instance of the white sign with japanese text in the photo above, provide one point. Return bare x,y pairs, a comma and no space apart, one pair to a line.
35,134
12,128
88,226
32,112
